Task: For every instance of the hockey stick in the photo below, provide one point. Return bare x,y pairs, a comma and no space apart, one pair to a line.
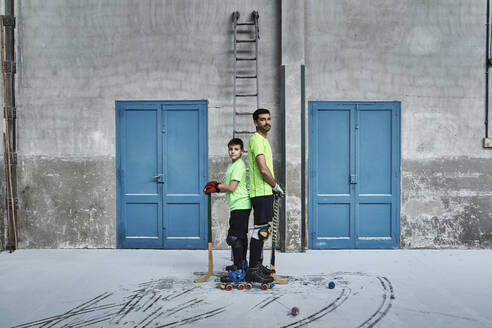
210,257
274,241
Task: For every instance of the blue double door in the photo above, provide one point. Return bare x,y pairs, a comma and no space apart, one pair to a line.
354,165
162,165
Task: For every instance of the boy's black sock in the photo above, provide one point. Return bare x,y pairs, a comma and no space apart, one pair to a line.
237,253
255,251
245,248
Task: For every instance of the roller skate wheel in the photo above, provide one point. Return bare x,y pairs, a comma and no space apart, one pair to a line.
264,286
229,288
222,286
249,286
240,286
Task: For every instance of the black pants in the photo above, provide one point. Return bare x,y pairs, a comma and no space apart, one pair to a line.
238,232
263,214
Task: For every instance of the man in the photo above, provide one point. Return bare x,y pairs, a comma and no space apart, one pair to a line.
262,184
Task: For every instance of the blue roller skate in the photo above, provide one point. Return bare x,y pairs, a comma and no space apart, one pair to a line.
233,278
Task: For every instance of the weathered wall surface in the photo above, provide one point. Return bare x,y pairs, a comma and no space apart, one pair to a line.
76,58
430,56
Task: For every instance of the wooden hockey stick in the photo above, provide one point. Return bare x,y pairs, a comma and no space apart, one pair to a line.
210,257
274,241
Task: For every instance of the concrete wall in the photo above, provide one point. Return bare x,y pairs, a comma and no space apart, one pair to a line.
429,55
76,58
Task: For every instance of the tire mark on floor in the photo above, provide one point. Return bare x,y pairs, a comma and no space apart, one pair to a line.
269,302
262,301
385,305
137,299
94,320
344,295
180,307
201,316
72,312
151,304
154,294
180,294
150,316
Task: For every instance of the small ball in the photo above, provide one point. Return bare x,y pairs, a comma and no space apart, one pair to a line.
331,285
294,311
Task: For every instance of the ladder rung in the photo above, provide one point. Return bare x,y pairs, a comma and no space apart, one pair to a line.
245,58
247,95
248,23
244,132
246,77
243,113
242,41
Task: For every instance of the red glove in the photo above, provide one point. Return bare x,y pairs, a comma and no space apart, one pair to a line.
211,186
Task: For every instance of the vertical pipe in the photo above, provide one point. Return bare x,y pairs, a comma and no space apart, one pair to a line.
283,171
9,103
10,57
487,64
235,18
257,51
303,159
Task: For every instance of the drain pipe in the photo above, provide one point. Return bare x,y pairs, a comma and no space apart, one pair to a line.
487,142
9,69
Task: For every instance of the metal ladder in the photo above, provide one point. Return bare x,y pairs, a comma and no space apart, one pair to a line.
237,41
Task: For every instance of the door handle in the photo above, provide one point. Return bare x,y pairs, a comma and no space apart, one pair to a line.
353,178
159,178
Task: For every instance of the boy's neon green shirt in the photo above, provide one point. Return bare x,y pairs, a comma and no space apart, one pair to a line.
239,199
259,145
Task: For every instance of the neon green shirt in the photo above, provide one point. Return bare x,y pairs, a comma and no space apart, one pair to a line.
259,145
239,199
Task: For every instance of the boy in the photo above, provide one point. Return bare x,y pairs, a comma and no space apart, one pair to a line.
237,196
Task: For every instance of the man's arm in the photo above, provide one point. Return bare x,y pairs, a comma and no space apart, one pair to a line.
265,171
230,187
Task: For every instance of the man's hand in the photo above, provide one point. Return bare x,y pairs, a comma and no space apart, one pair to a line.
211,186
277,190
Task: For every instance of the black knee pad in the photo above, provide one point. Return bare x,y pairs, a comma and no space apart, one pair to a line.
234,241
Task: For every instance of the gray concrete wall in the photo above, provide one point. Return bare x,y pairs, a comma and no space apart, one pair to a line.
429,55
76,58
292,58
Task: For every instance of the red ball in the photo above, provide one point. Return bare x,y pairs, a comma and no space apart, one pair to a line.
295,310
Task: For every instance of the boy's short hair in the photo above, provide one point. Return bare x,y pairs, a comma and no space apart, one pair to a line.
258,112
236,141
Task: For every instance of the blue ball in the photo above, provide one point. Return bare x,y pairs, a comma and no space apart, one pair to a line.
331,285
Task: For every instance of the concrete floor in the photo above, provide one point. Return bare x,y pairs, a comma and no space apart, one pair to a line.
152,288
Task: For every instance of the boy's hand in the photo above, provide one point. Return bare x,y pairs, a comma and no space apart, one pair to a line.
211,186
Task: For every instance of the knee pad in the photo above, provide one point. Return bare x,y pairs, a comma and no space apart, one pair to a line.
234,241
262,232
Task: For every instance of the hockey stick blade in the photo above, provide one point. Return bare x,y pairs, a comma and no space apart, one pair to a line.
210,266
279,281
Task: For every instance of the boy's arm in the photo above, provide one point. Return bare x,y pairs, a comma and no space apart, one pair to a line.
265,171
228,188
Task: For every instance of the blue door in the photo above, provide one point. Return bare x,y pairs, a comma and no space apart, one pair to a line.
354,165
162,164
